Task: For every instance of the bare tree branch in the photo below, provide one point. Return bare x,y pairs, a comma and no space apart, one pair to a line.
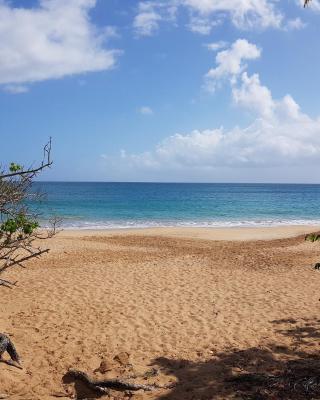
46,162
19,226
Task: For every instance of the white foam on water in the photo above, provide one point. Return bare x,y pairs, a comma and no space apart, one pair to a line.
132,224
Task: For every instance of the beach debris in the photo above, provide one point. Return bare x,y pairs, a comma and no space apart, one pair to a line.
304,385
7,284
102,386
4,396
151,373
6,345
103,367
123,358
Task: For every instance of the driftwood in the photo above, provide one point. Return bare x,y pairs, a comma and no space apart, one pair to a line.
6,345
103,386
303,384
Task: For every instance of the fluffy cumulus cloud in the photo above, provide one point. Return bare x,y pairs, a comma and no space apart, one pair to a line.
231,62
204,15
252,95
280,134
50,41
288,137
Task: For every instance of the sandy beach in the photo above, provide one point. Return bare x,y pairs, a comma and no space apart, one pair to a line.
188,308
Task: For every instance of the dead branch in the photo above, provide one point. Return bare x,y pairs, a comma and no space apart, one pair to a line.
302,384
19,261
6,345
46,162
7,284
103,386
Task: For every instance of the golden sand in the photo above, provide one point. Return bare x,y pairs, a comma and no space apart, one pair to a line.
197,305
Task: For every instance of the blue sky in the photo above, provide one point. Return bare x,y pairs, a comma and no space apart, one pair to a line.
162,90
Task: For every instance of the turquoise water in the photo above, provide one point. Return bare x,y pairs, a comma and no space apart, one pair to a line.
124,205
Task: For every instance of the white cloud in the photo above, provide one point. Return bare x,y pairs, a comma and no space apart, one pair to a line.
53,40
253,96
215,46
244,14
15,89
295,24
202,25
230,62
204,15
145,110
287,137
151,13
280,135
147,20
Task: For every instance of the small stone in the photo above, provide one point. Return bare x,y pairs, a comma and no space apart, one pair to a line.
123,358
104,367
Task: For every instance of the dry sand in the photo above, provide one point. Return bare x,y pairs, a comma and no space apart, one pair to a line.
191,307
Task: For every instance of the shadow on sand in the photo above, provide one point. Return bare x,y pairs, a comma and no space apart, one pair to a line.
81,390
273,372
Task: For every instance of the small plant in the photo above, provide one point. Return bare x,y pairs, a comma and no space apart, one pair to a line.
15,167
312,237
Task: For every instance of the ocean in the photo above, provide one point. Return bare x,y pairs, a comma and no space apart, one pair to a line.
101,205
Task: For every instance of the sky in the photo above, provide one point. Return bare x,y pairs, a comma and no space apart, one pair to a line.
162,90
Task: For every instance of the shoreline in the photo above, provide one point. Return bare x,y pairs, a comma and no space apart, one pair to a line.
214,233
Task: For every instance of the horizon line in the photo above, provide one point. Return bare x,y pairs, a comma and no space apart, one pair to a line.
182,182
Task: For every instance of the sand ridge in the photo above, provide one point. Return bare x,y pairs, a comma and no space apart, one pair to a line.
194,309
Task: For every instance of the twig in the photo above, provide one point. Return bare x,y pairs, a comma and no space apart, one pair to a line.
47,162
8,284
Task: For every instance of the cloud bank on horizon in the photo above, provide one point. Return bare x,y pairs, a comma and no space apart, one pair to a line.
56,39
280,134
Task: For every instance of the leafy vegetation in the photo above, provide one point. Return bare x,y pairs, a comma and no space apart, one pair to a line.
312,237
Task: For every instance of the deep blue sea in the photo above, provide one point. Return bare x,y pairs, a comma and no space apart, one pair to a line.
125,205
